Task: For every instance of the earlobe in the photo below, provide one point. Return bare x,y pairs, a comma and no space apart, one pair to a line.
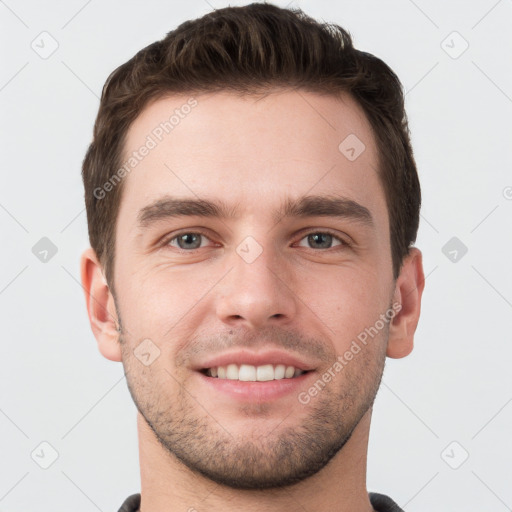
408,291
100,306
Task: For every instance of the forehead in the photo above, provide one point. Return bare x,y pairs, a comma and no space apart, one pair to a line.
250,150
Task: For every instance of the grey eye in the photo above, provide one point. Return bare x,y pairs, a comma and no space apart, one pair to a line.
321,240
188,240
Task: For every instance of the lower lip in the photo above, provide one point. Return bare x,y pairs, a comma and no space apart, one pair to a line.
257,392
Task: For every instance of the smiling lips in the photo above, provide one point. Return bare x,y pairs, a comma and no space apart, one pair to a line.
252,377
248,366
251,373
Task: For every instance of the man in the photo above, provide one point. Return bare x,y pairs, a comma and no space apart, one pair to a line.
252,202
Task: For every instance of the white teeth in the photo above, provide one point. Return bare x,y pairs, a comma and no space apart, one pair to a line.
250,373
265,372
290,371
279,371
232,372
247,372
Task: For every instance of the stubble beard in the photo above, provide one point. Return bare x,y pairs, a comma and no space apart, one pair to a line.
189,431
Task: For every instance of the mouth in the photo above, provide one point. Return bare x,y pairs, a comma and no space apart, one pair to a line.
254,377
251,373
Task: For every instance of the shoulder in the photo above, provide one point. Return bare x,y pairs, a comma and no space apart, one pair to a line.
131,504
383,503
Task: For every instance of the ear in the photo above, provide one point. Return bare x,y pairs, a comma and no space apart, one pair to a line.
100,306
408,290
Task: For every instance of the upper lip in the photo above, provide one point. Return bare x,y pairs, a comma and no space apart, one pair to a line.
256,359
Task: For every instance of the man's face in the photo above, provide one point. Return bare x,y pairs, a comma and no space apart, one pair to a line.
199,287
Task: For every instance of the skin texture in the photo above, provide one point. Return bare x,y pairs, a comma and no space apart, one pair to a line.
199,449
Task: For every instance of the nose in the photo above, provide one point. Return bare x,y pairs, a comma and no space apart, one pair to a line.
257,292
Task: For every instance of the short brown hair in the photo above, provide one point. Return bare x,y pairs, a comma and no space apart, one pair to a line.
248,50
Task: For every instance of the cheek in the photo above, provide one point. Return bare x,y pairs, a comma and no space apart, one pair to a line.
352,307
351,294
162,303
144,302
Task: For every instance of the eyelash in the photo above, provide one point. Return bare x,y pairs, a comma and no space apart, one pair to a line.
168,240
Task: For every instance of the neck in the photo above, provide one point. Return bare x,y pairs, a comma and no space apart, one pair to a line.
168,485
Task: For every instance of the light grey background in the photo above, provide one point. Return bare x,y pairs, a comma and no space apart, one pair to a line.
456,386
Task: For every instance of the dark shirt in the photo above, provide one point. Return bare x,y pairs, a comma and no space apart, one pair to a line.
380,503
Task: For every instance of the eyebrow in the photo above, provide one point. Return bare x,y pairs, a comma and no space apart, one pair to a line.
303,207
